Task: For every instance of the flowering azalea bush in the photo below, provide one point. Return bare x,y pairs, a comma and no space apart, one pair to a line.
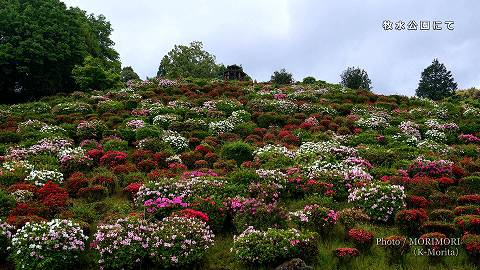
409,221
380,201
471,243
274,245
124,243
179,241
40,177
56,244
113,158
362,239
315,217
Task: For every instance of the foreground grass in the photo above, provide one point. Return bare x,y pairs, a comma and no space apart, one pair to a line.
219,256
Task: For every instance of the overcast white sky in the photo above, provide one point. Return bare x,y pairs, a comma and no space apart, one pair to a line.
307,37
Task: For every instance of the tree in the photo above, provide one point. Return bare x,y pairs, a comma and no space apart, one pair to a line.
436,82
41,41
128,74
281,77
355,78
309,80
96,73
189,61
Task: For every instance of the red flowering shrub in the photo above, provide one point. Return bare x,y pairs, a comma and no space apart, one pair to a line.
53,196
432,240
471,243
469,199
362,239
124,168
346,254
299,186
113,158
75,182
139,155
23,186
214,209
20,221
147,165
190,213
430,168
409,221
467,210
95,154
27,209
417,202
132,189
469,223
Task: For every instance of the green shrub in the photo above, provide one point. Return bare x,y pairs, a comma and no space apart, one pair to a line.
244,176
471,184
9,137
238,151
7,202
147,132
110,106
115,145
445,215
268,119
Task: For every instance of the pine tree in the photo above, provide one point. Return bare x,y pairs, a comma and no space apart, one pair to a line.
436,82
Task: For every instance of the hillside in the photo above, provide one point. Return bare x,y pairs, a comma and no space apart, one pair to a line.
142,172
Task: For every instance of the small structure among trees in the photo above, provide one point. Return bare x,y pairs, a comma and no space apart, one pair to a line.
234,72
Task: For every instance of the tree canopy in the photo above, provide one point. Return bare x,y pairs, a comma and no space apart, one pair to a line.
128,74
281,77
41,41
189,61
436,82
355,78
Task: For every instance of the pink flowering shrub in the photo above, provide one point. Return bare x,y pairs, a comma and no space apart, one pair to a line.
56,244
123,244
468,138
163,206
435,169
179,241
315,217
253,212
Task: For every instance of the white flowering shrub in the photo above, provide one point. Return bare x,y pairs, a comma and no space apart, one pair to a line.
263,247
56,244
165,120
40,177
270,151
381,201
221,126
176,141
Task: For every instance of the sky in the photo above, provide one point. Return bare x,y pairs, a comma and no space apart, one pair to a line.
317,38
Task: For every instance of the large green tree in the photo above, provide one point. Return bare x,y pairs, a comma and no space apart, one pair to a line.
281,77
189,61
128,74
436,82
355,78
41,41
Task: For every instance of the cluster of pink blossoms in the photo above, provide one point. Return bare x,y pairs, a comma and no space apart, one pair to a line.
153,205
